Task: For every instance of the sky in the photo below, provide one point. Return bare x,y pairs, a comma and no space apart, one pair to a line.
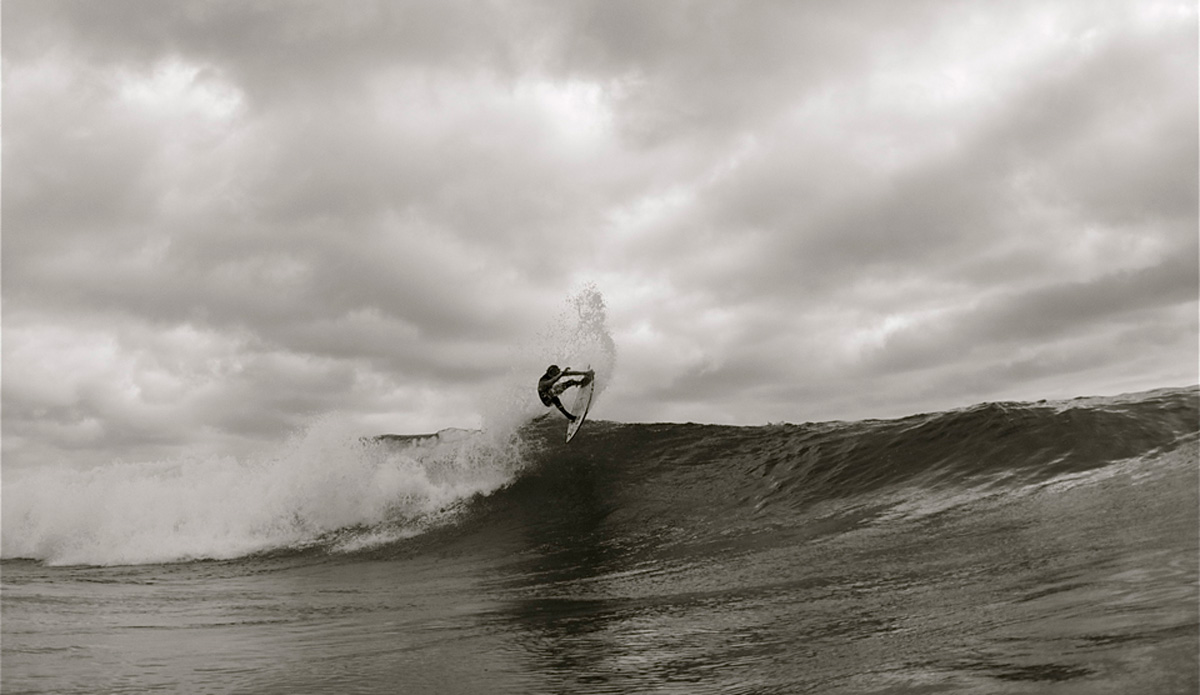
223,219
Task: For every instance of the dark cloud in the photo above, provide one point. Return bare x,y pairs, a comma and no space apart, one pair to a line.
693,70
1043,315
1060,141
275,50
1059,309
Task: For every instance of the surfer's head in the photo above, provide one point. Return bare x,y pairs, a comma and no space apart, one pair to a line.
552,370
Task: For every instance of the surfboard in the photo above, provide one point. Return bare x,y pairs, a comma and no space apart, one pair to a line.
583,401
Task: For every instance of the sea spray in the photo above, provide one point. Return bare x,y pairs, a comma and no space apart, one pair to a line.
308,491
577,337
329,485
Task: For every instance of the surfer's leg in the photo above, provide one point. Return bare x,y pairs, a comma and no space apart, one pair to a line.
559,405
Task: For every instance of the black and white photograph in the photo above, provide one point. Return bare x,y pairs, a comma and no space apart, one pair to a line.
679,347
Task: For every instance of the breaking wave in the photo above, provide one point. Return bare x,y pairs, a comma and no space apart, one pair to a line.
328,490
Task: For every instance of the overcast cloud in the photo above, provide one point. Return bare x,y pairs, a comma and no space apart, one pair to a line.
222,219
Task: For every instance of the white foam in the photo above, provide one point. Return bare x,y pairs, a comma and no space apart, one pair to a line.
320,480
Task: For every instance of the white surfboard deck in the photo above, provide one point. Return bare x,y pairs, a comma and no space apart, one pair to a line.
583,401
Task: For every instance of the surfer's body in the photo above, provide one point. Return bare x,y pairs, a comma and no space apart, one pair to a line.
550,388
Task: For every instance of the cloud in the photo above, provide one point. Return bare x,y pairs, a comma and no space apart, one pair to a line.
223,218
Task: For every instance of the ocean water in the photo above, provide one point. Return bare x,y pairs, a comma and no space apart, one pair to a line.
1002,548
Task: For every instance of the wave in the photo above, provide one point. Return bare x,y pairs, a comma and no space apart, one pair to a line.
327,490
731,479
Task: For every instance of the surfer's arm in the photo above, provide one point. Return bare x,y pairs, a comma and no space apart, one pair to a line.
572,372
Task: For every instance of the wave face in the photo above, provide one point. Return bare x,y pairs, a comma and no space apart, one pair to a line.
329,491
661,484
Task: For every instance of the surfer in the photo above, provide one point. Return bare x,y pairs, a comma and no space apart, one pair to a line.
549,388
